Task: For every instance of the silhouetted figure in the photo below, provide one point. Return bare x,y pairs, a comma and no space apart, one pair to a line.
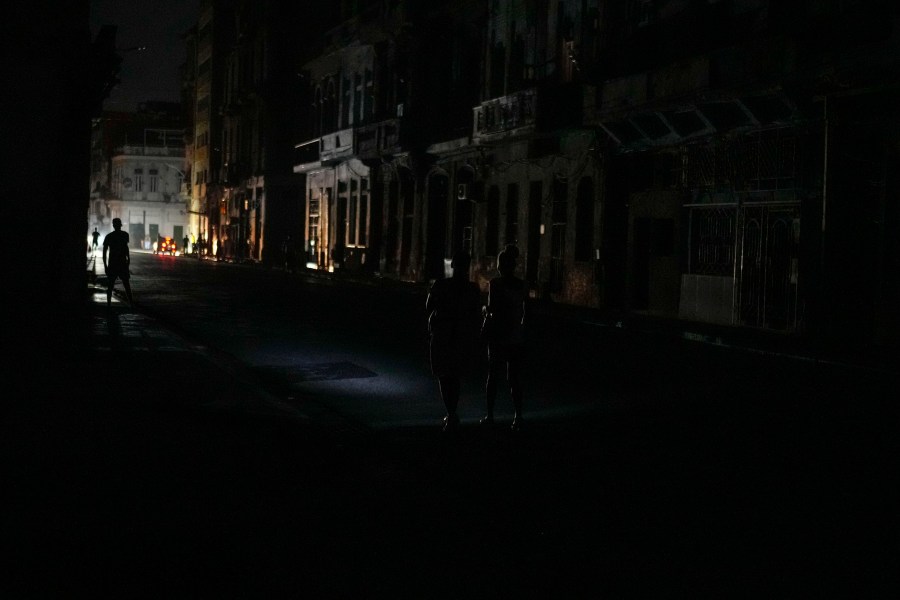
287,253
337,255
117,260
96,237
506,346
452,309
184,245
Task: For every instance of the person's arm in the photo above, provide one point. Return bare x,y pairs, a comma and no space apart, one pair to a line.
429,303
105,250
490,289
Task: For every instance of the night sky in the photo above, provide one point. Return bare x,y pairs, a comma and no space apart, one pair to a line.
151,74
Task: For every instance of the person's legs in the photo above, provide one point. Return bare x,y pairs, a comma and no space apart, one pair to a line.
513,371
111,283
490,387
450,395
126,283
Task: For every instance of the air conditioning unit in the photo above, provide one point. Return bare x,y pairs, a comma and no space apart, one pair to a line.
462,191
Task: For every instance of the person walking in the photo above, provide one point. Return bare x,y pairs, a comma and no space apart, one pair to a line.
184,245
96,237
452,311
506,341
117,260
287,254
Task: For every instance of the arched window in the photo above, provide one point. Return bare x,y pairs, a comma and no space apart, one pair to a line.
330,108
317,113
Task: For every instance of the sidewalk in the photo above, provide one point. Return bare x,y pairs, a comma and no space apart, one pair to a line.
137,465
143,466
793,347
863,356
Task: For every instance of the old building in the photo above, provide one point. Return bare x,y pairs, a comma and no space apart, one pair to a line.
528,172
245,95
351,100
204,77
721,161
727,132
136,174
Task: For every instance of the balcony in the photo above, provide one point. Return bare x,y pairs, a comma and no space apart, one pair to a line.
306,155
336,146
150,151
542,109
378,139
506,116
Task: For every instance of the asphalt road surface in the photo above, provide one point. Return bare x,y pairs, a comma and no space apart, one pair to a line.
649,466
701,461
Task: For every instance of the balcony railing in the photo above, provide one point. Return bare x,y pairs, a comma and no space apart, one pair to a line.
377,139
505,114
150,151
336,145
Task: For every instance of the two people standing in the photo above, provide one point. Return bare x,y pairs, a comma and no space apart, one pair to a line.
453,311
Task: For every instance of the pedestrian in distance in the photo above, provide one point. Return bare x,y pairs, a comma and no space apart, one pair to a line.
184,245
96,237
505,313
287,254
452,309
117,260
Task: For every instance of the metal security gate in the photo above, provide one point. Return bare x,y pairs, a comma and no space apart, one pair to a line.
769,265
758,245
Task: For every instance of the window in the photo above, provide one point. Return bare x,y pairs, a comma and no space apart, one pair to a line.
154,180
369,96
362,226
642,12
558,234
331,108
138,180
358,213
512,214
312,232
492,229
584,220
345,105
358,108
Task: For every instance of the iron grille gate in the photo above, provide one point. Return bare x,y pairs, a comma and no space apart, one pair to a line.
758,244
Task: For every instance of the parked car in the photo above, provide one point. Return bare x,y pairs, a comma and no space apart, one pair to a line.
165,245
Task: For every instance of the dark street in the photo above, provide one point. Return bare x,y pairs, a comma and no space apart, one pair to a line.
695,202
163,461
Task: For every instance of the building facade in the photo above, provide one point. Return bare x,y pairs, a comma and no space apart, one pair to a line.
137,175
721,161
